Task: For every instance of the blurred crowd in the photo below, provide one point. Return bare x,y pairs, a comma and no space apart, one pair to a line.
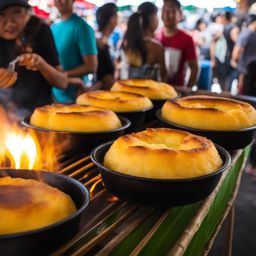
150,43
60,60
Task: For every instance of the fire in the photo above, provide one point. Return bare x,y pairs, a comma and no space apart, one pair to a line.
23,149
113,199
97,180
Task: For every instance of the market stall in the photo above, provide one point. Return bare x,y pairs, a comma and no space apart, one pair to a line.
114,227
111,226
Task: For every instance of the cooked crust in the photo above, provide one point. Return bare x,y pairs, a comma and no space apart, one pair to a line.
27,204
149,88
74,118
163,154
115,101
210,113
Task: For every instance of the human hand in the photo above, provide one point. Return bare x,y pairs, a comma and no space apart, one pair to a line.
77,82
7,78
31,61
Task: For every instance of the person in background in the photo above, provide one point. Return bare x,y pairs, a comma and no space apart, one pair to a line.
76,45
244,56
221,49
106,17
26,36
215,26
142,56
244,59
179,46
199,36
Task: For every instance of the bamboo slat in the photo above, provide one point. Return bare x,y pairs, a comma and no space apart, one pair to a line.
150,234
129,228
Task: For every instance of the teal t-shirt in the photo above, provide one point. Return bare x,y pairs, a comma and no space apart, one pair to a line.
74,39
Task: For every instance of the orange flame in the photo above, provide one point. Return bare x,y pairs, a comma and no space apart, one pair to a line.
113,199
23,149
96,181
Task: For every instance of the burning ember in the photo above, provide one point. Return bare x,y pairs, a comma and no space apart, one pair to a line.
22,149
113,199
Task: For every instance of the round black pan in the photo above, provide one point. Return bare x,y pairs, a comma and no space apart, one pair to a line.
230,140
45,240
81,142
158,192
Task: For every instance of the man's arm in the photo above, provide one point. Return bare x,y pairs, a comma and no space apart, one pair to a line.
213,48
193,65
89,66
236,54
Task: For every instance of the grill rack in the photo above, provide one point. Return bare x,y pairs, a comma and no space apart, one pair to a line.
106,205
112,220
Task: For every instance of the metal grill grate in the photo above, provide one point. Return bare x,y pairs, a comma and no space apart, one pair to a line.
106,215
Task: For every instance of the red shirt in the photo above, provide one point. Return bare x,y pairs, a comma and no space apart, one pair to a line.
179,49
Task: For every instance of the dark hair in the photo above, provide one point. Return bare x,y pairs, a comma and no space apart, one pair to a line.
147,9
198,22
176,3
133,37
227,15
251,18
104,14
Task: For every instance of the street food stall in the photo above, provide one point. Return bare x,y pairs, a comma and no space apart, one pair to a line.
113,226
